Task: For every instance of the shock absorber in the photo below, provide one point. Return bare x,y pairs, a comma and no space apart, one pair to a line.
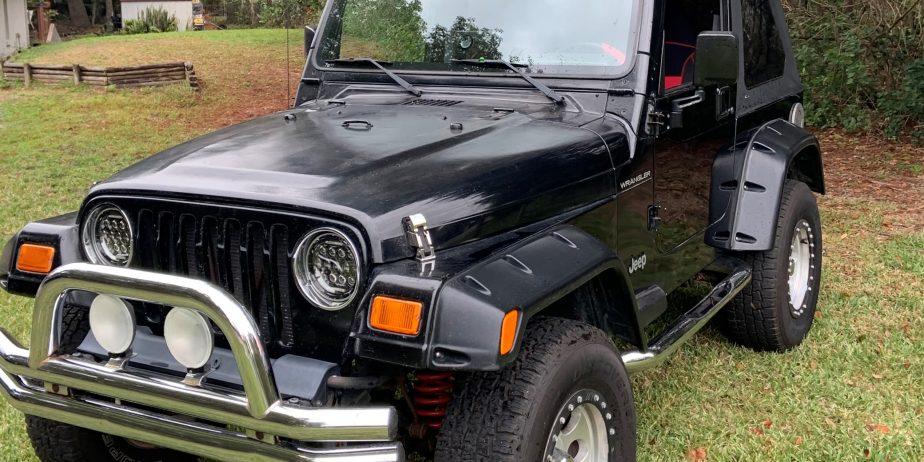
431,394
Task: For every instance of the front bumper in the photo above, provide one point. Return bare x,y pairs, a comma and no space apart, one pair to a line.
165,411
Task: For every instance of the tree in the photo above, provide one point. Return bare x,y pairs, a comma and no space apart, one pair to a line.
110,12
77,12
393,27
465,40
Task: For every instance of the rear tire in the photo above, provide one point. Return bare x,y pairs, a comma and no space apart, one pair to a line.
775,313
58,442
516,413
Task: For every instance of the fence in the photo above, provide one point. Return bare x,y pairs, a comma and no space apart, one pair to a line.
133,76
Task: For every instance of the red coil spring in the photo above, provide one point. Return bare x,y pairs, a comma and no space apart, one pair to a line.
432,392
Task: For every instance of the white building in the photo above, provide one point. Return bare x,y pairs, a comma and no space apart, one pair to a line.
181,9
14,27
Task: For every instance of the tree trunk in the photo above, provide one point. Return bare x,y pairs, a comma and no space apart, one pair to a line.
109,12
78,13
94,9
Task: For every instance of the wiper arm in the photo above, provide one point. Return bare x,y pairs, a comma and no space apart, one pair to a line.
369,61
499,63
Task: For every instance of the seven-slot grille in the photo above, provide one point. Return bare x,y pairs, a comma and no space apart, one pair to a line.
247,257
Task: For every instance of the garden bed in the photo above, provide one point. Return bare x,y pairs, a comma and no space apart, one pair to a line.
130,76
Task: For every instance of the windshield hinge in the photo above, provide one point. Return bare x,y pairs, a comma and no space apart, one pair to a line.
655,122
417,234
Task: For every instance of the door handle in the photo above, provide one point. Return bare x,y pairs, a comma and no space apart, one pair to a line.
680,104
688,101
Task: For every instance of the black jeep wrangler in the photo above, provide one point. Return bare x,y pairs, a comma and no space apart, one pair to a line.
439,247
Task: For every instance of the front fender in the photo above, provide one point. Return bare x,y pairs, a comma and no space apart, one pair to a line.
59,232
747,184
464,311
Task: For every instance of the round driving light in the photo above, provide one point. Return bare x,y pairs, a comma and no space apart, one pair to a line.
112,322
797,115
107,236
189,337
327,268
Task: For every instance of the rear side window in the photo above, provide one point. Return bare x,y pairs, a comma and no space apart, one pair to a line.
763,51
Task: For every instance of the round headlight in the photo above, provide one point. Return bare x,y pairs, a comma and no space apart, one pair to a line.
797,115
327,268
112,322
189,337
107,236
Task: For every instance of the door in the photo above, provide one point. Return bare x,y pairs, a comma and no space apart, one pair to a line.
697,124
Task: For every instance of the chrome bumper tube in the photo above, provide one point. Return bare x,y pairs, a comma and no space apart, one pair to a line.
175,433
689,324
259,409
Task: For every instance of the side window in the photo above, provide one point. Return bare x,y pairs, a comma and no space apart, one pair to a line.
683,21
763,51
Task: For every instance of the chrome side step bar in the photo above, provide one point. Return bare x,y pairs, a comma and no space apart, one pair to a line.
690,323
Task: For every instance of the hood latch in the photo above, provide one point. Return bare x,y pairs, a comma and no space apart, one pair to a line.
417,234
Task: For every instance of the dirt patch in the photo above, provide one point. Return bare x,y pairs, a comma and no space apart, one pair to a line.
867,167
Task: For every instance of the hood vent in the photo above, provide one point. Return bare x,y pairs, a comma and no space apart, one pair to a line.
432,102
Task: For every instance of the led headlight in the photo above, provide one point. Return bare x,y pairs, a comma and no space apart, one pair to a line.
189,337
327,268
112,322
107,236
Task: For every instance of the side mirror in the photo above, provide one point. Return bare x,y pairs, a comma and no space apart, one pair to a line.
309,39
716,59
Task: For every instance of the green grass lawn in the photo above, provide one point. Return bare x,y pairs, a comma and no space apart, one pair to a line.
853,391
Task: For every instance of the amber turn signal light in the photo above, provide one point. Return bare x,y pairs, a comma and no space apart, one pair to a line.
34,258
395,315
508,334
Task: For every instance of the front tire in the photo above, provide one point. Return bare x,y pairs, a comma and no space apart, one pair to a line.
566,395
776,312
58,442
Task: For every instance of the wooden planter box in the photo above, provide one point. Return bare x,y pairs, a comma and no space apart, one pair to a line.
132,76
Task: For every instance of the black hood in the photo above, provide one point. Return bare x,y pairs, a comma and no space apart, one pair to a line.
472,170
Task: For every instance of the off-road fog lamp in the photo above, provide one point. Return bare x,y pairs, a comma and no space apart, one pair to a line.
189,337
107,236
112,322
327,267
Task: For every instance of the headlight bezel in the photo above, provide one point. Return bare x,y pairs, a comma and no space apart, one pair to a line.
305,283
90,243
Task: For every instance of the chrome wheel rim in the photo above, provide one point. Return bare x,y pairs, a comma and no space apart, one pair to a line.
801,267
580,432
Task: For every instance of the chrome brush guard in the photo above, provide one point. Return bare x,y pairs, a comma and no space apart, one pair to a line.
107,397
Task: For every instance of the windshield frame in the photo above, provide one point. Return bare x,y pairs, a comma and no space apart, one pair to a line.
627,68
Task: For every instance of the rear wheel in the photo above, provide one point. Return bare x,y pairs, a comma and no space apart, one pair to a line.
566,397
775,313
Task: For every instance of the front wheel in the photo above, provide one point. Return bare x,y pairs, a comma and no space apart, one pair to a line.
58,442
776,312
566,397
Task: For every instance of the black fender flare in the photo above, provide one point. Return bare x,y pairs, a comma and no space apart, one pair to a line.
747,183
530,276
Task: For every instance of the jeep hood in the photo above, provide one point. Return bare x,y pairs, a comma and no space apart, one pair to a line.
471,171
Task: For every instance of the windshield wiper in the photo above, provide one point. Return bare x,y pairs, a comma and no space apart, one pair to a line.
499,63
369,61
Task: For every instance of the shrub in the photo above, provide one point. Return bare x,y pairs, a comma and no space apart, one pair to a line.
862,64
151,19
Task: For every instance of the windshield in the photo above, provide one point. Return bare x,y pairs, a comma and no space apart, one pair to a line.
560,37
